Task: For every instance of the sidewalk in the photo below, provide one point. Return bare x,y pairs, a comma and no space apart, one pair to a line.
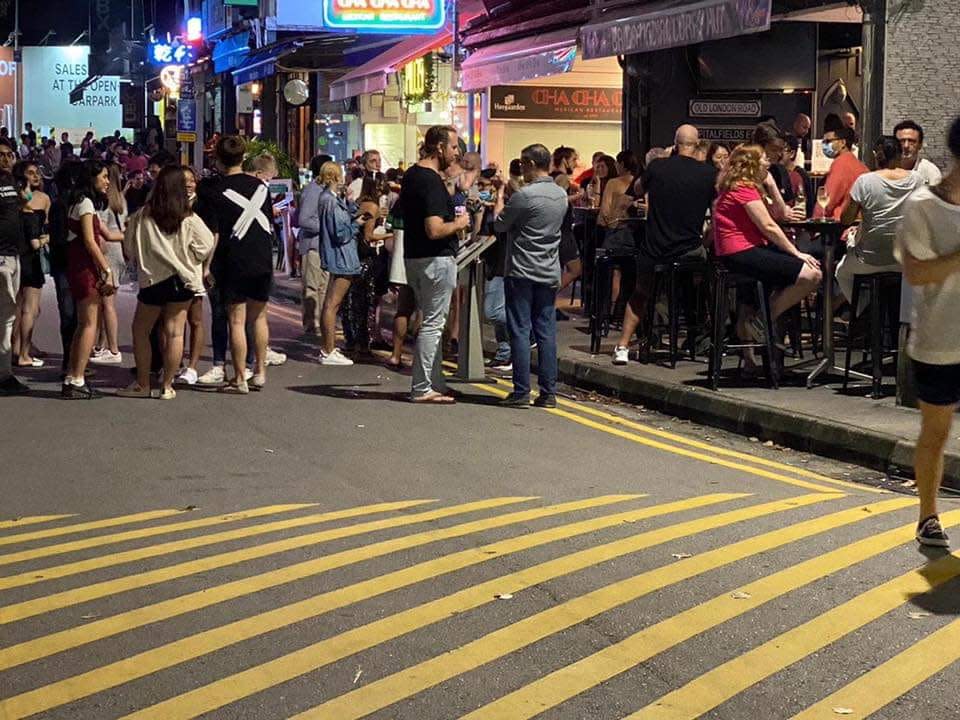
821,420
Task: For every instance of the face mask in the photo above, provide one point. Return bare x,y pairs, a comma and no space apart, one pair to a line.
486,195
828,150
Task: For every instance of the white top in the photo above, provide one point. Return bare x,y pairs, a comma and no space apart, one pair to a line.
160,256
928,171
931,229
882,203
84,207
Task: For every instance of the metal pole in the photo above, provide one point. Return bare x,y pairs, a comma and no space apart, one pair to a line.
874,42
470,124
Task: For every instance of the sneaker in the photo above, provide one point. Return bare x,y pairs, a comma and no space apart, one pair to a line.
275,358
257,382
621,355
334,358
105,357
545,401
213,376
69,391
503,366
247,374
235,388
930,533
167,394
187,376
134,390
518,402
12,386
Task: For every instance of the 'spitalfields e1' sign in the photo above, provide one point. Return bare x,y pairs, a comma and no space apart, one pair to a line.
390,16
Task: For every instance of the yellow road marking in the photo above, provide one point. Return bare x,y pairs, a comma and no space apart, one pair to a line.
886,682
174,546
36,519
74,637
708,691
680,439
180,651
30,608
353,641
677,450
82,527
101,540
571,680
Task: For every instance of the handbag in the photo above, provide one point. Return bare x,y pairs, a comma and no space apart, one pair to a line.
398,268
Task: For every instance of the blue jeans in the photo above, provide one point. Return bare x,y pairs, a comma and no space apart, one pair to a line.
531,305
433,281
495,310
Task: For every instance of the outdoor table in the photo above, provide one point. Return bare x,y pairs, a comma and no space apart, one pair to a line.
829,232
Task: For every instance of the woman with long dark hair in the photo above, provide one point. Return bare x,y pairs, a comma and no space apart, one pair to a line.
169,244
88,272
113,221
28,179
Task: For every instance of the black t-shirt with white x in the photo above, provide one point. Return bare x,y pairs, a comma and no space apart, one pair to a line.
238,209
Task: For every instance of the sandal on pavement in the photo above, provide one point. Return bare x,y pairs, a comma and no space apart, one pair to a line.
433,398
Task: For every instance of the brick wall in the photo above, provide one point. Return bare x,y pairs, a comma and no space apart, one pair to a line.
922,78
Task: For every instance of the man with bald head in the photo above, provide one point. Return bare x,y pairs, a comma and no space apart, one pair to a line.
680,190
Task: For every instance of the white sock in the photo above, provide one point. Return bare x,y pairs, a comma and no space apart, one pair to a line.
77,382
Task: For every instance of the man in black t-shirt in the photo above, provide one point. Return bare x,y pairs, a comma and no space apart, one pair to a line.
238,211
680,190
430,244
11,247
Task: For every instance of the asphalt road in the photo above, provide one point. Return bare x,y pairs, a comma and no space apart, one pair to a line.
324,549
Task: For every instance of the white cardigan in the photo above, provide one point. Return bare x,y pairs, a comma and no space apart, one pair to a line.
159,255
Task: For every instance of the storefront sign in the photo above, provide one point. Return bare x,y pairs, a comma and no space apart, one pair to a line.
560,104
50,73
187,120
8,88
407,16
675,27
726,133
725,108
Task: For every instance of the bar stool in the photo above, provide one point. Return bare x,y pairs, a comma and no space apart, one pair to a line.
884,288
600,306
724,280
665,276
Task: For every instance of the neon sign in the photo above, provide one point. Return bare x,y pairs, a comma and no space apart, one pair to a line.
170,53
370,16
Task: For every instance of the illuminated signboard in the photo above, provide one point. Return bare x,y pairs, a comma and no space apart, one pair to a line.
409,16
170,53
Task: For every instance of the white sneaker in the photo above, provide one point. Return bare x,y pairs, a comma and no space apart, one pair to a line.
247,374
213,376
275,358
621,355
187,376
105,357
334,358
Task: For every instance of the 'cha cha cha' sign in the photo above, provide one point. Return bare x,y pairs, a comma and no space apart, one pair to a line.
409,16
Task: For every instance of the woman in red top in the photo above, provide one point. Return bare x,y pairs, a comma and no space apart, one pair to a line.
750,242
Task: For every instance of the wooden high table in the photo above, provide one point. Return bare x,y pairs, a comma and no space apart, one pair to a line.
830,233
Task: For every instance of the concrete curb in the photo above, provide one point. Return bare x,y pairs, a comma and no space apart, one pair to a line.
806,433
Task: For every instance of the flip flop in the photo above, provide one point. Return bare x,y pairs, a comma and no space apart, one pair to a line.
34,363
433,398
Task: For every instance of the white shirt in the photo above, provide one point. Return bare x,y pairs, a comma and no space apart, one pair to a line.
931,229
928,171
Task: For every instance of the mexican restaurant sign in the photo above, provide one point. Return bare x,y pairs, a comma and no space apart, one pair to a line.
560,104
393,16
674,25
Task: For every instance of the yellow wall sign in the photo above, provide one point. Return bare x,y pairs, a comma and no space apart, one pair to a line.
415,78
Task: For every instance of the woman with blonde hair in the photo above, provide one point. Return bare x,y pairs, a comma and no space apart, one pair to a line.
750,242
338,253
113,221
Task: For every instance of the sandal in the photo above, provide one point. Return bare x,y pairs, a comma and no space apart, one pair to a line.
433,398
134,390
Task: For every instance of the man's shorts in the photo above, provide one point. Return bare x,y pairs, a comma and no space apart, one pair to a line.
937,384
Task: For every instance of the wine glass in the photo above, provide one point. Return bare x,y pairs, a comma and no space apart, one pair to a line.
823,198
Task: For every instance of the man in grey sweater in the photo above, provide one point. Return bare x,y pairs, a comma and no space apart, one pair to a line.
313,276
532,220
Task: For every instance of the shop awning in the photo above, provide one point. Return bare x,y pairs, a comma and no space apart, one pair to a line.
673,23
230,52
549,53
263,62
372,75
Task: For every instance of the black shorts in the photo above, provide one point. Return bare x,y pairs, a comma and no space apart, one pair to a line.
770,265
568,249
937,384
171,290
236,290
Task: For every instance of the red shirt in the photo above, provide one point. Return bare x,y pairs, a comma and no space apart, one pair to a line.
843,173
733,229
